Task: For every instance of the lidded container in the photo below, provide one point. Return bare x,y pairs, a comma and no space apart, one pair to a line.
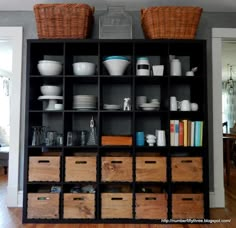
142,66
115,24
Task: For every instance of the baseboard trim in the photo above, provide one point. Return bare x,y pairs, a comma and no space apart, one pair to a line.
20,199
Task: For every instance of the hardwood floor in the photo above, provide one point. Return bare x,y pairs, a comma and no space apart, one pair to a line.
11,218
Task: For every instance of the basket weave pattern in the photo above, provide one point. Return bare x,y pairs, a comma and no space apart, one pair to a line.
63,20
170,22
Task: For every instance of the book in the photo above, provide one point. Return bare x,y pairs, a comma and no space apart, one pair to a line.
181,133
201,133
192,133
172,132
197,133
189,133
185,132
176,133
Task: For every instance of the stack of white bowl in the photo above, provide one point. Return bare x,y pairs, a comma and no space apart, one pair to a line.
84,102
49,67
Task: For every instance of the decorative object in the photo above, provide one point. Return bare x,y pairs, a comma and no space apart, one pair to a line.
115,24
92,140
127,106
230,82
60,21
170,22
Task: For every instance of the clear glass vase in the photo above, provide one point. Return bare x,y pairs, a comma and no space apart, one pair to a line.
115,24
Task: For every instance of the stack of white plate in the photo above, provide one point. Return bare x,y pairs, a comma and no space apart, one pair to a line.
84,102
150,106
111,107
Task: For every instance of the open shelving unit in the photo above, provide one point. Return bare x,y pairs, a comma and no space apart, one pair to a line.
133,184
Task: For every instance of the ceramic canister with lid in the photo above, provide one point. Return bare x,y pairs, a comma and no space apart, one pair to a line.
175,67
142,66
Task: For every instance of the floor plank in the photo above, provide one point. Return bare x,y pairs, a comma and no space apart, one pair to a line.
12,217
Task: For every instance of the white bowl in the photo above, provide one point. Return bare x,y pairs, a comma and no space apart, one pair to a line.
151,137
49,68
84,68
50,90
116,66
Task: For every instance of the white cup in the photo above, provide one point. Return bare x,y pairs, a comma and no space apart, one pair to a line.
194,106
161,138
158,70
58,107
140,100
173,104
184,105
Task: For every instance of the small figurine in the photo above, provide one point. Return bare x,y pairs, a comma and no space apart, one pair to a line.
127,106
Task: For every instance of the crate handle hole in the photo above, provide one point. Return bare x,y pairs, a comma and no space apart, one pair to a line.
81,162
186,161
150,162
78,198
187,199
43,198
43,161
116,198
116,161
150,198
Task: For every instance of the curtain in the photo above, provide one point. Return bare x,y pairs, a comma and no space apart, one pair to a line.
228,106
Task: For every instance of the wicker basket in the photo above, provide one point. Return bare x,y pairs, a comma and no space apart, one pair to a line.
170,22
59,21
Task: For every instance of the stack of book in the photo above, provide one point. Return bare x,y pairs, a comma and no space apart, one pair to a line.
186,133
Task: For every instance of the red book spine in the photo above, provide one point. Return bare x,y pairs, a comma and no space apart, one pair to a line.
181,133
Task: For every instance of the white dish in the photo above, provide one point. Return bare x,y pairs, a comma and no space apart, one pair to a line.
111,107
50,90
49,68
50,98
84,68
116,67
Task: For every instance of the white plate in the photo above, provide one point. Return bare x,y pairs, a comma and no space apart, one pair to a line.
50,98
111,107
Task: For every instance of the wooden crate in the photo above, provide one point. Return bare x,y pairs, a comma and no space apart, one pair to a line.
117,169
187,206
44,168
43,206
151,169
116,205
151,206
116,140
186,169
79,205
80,168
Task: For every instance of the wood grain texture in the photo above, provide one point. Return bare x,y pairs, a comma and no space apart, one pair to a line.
116,205
80,168
116,140
151,169
116,169
151,206
79,205
187,206
43,205
186,169
12,217
44,168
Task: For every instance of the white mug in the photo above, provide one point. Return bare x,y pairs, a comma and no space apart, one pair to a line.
194,106
184,105
161,138
173,104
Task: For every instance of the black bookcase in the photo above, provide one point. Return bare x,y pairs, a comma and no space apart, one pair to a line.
112,89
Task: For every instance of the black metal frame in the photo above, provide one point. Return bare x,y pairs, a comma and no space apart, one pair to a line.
166,80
